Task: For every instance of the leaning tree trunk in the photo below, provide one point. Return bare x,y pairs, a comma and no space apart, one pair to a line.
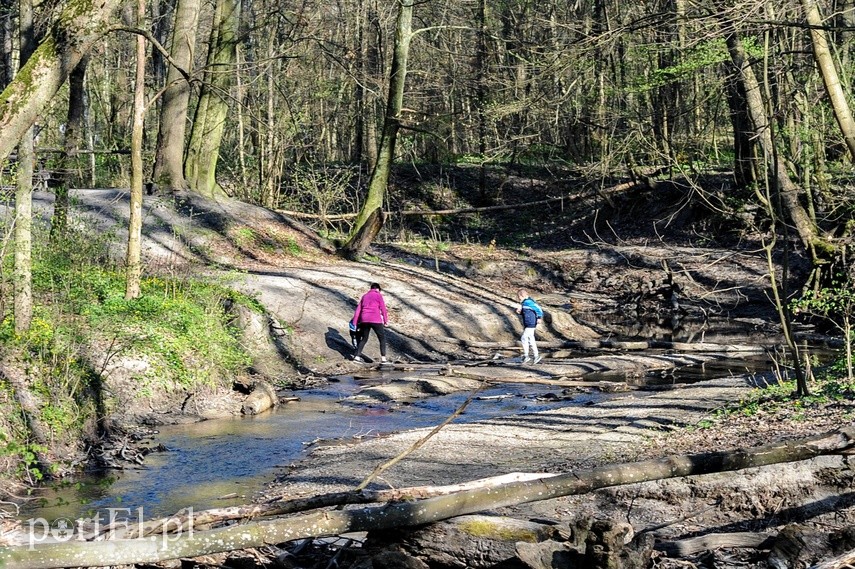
80,24
776,168
370,219
830,78
169,157
200,166
187,543
787,193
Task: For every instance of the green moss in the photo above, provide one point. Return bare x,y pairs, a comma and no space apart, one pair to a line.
488,529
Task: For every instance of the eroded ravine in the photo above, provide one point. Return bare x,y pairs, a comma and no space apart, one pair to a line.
224,462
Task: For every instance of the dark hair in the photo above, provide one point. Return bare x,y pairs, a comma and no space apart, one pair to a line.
375,285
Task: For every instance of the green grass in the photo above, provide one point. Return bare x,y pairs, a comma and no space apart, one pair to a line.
182,327
826,388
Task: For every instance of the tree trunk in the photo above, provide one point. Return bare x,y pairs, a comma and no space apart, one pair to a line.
481,101
80,24
23,280
200,167
6,33
830,78
74,136
776,168
31,404
187,543
169,158
370,219
134,262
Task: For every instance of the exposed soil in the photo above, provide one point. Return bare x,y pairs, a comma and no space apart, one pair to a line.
628,288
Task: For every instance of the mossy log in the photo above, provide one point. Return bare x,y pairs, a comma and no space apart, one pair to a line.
393,515
79,25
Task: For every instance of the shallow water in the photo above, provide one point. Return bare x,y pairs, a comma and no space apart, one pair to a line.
224,462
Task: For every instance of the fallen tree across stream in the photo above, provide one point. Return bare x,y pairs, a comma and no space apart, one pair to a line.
185,542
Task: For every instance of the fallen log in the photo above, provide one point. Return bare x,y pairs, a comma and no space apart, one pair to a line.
690,546
282,506
844,561
620,345
191,543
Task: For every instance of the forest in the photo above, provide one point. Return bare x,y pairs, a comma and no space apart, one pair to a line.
665,163
305,106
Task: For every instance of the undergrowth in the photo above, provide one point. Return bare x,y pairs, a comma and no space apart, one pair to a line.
181,326
829,388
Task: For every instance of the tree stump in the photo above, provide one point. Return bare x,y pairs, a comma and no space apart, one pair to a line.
262,398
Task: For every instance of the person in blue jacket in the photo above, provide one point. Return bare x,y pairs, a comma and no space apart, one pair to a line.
531,315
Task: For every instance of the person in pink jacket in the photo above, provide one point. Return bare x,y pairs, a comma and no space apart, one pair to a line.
370,315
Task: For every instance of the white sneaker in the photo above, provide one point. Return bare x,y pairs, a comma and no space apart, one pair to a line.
358,359
526,360
537,360
384,361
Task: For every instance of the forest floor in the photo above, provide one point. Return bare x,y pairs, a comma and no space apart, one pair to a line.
449,302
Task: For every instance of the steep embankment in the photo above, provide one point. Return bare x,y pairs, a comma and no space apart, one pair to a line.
451,304
309,293
465,308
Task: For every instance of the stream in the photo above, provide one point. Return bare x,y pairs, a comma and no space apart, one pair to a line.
225,462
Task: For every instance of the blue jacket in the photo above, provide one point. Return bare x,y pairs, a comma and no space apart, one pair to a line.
531,313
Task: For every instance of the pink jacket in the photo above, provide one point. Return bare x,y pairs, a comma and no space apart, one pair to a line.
371,309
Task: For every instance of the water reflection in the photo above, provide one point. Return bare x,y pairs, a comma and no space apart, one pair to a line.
223,462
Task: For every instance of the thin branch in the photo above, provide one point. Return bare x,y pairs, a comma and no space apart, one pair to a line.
157,45
419,443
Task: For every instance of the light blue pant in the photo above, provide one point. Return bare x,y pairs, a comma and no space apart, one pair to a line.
527,340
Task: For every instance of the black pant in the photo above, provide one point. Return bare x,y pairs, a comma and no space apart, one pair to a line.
379,330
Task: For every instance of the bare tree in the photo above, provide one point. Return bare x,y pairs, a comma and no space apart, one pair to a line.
133,258
209,121
825,63
371,217
74,136
6,33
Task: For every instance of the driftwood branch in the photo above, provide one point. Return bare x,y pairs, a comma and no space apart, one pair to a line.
686,547
335,522
419,443
424,212
845,561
